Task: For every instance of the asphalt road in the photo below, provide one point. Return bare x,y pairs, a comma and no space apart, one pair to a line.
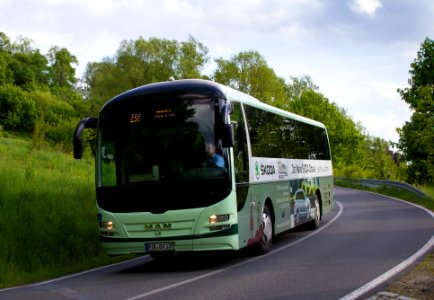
365,236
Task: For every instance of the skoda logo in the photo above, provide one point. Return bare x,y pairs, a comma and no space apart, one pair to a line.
257,171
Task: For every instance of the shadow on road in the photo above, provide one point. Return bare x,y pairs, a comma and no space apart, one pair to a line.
189,261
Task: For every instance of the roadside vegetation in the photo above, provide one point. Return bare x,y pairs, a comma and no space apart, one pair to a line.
47,199
427,201
47,208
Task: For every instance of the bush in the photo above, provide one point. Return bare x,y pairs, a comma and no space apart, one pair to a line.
353,172
61,135
17,110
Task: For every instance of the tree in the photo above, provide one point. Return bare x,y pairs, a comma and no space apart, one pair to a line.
5,59
138,62
297,86
346,137
193,56
380,160
416,137
27,67
17,110
61,72
249,72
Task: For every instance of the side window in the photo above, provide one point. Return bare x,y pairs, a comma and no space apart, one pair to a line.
268,132
240,148
323,145
273,135
263,131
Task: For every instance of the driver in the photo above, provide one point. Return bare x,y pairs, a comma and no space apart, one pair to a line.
213,158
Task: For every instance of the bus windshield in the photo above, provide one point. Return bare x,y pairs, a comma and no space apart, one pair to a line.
160,146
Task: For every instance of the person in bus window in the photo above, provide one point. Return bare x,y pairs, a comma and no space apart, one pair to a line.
213,158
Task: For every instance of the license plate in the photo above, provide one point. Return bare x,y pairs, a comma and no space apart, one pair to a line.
157,247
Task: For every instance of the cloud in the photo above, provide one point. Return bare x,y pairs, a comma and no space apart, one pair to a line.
381,125
385,89
365,7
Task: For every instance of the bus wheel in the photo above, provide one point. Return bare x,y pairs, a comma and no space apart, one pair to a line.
314,224
264,245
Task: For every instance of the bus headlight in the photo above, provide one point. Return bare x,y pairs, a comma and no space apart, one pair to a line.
107,228
106,225
213,219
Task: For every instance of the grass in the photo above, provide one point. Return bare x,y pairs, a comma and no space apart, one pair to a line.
428,190
48,214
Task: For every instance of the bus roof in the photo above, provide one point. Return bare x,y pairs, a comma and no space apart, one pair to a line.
202,88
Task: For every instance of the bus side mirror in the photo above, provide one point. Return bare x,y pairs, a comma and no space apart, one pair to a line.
78,132
227,130
225,112
228,136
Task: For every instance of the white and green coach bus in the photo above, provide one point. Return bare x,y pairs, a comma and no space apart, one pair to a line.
160,188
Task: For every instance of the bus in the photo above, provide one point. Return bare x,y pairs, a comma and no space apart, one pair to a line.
194,165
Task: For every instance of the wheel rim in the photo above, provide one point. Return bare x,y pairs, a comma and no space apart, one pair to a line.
317,211
267,228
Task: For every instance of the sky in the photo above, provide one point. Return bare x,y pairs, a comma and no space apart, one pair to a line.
358,52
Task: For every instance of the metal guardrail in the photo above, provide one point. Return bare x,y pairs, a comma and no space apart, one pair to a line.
375,183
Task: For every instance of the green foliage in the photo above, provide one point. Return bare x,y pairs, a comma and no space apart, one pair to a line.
61,72
37,93
17,110
56,120
346,137
351,171
5,60
138,62
416,137
380,161
249,72
193,56
61,134
377,162
428,190
25,67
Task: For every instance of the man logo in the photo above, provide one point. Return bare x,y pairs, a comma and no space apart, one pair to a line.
157,228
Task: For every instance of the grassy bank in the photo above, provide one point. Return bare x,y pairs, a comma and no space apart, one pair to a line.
47,214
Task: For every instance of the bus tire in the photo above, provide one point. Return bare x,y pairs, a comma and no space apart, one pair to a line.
314,224
264,245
